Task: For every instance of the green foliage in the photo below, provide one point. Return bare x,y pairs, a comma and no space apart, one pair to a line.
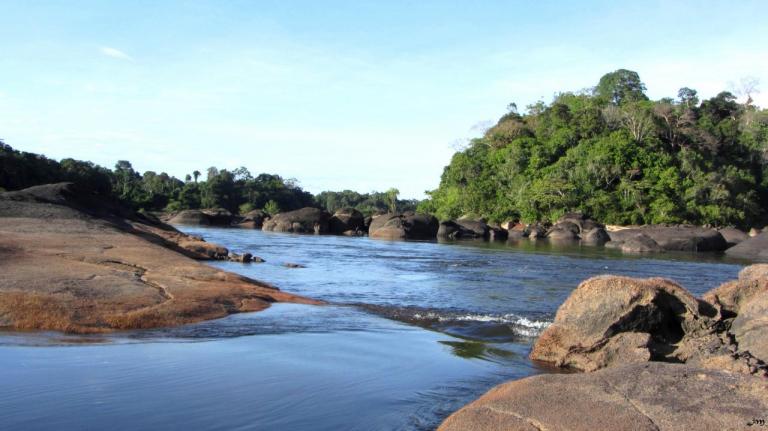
236,190
618,157
271,208
366,203
246,208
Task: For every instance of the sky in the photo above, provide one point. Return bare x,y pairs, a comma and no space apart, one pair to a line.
361,95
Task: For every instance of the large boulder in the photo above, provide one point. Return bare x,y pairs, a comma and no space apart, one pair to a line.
206,217
733,236
562,233
755,249
463,229
404,226
535,231
595,236
573,227
743,304
610,320
497,233
673,238
191,217
305,220
636,244
651,396
582,222
219,216
253,219
347,221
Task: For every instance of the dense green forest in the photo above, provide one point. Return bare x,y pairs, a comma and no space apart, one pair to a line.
238,190
617,156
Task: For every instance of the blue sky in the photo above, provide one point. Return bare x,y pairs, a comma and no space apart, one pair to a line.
357,94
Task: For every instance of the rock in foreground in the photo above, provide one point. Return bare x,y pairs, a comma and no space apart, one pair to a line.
97,268
609,321
650,396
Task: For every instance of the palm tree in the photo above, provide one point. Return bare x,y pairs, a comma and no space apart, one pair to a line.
392,197
196,174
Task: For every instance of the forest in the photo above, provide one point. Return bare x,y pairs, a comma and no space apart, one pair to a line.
612,153
237,191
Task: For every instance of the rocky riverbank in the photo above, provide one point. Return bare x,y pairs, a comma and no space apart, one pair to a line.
571,228
652,357
74,262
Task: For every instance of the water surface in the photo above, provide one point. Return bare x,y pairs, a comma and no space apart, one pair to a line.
415,330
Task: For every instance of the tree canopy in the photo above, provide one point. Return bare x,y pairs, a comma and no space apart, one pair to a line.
237,190
617,156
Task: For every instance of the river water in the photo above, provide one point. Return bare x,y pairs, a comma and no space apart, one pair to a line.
414,330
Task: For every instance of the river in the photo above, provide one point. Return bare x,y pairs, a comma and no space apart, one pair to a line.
414,330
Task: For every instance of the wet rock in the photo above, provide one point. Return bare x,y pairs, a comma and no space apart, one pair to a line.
305,220
404,226
293,265
650,396
755,249
242,258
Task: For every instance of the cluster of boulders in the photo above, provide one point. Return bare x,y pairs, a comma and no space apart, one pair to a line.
652,354
570,228
345,221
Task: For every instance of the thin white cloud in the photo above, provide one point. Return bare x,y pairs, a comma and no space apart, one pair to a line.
115,53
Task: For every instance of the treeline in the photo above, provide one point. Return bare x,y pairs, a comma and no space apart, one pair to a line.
618,157
366,203
237,191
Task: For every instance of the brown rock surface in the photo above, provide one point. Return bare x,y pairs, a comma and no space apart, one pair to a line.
743,304
650,396
97,268
611,320
404,226
305,220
